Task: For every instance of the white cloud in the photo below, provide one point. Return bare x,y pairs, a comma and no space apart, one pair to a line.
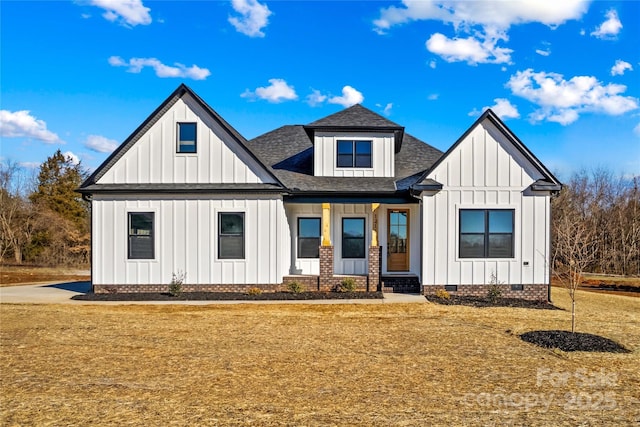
70,155
177,70
504,109
254,17
432,64
610,28
21,124
470,50
433,97
100,144
387,109
277,91
489,14
129,12
543,52
29,165
620,67
315,98
485,22
350,96
636,129
563,100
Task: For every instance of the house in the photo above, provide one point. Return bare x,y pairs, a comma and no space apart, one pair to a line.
351,194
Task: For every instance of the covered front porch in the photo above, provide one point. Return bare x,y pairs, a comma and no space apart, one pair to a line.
375,243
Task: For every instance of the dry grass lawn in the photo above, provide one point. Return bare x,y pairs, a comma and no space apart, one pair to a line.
314,365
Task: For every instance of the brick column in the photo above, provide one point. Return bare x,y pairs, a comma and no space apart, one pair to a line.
375,255
326,268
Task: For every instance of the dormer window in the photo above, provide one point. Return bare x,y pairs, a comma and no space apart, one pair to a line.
186,138
353,154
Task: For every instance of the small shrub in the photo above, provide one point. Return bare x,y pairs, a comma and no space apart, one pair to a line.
254,291
442,294
295,287
494,293
175,286
348,284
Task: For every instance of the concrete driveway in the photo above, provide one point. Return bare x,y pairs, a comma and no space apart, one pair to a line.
62,292
47,293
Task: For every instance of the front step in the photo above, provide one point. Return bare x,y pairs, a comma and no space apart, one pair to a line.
408,284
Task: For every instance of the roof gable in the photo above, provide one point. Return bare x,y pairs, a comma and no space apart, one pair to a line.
184,98
501,134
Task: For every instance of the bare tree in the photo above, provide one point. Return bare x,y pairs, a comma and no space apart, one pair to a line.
16,213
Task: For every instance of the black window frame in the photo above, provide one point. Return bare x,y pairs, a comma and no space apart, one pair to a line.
363,238
486,234
131,238
224,236
179,140
301,240
353,154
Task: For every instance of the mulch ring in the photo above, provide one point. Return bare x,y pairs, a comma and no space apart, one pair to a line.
499,302
573,341
226,296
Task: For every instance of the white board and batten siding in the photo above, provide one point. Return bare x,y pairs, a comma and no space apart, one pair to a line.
382,154
153,158
485,171
186,239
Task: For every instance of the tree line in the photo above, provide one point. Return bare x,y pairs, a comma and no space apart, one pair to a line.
595,219
596,224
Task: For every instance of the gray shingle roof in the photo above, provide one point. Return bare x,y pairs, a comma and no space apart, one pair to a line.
354,116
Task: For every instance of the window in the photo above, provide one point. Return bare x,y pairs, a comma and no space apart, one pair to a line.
141,244
308,237
231,235
354,154
353,238
186,137
486,233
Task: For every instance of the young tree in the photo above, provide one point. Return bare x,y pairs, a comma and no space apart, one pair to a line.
574,236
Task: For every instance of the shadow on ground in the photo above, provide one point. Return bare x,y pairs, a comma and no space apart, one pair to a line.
80,287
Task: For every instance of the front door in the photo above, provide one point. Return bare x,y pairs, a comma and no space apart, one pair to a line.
398,240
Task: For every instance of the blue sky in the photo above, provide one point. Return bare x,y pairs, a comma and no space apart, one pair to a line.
563,74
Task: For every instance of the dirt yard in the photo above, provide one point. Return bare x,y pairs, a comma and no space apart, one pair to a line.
21,275
315,365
